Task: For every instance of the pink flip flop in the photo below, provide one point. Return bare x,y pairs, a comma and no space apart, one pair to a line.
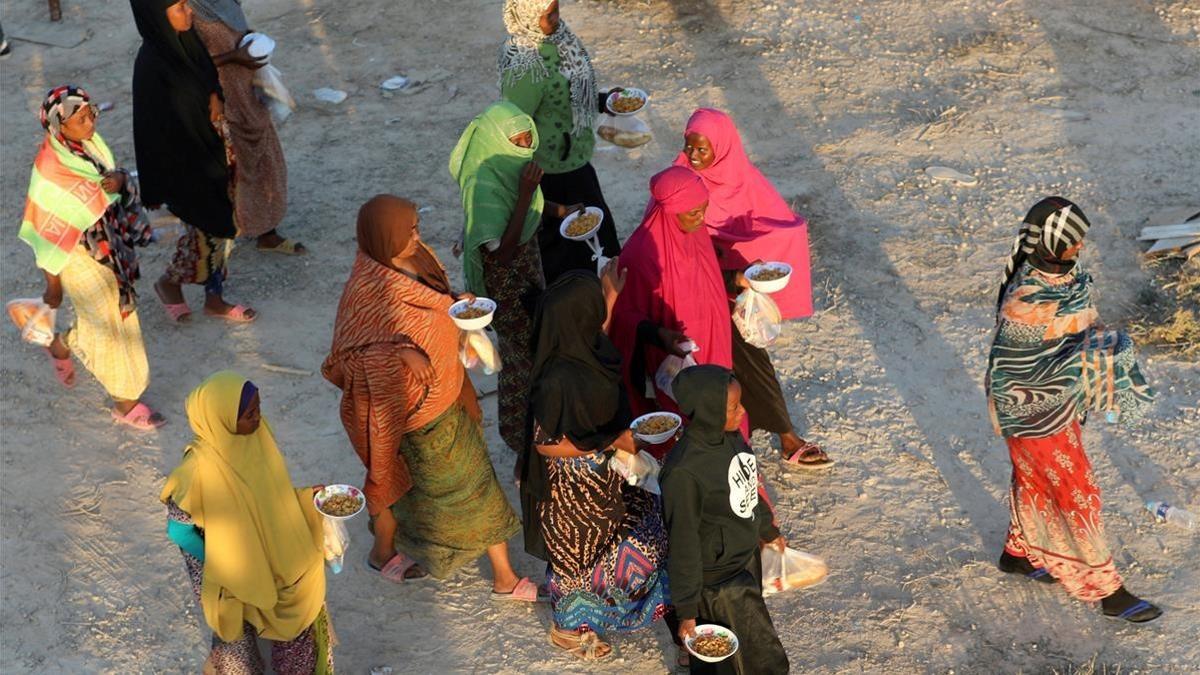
524,591
236,315
178,312
64,370
396,569
140,417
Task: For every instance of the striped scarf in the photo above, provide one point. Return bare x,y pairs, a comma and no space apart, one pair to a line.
1051,228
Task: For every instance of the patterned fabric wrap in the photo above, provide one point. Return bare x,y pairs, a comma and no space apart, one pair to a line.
607,548
66,205
1055,505
520,55
1050,364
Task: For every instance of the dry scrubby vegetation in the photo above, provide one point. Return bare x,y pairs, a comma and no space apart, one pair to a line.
1171,319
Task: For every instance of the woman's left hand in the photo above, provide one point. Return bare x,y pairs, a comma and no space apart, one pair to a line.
113,182
612,280
565,210
318,487
778,543
466,295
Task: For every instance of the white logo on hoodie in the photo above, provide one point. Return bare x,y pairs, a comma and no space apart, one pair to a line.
743,484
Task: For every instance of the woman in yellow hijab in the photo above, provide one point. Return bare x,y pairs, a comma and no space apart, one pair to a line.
252,542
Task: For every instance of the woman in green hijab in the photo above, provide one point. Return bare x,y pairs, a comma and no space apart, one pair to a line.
502,208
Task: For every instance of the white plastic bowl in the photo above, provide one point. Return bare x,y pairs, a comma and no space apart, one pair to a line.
712,629
479,321
768,286
566,222
655,439
260,44
616,93
340,489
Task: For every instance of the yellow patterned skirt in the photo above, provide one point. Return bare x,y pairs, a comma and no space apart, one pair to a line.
109,346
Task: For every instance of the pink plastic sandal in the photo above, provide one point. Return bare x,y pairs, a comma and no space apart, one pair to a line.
64,370
140,417
396,570
239,314
524,591
178,312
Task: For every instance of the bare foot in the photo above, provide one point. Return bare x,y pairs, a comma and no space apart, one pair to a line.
170,293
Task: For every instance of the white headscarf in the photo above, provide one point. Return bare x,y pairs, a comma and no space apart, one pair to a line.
519,55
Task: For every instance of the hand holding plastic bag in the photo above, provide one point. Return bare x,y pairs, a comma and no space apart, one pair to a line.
268,85
35,320
475,349
790,570
639,470
671,366
337,540
627,132
757,318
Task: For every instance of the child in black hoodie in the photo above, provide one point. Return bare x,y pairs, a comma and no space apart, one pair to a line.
716,525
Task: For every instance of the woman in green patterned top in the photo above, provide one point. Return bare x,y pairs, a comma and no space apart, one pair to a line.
545,70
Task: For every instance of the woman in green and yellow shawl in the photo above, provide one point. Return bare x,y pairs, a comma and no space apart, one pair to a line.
83,218
502,207
251,542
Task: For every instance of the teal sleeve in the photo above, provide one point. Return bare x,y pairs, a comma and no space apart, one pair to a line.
524,93
187,537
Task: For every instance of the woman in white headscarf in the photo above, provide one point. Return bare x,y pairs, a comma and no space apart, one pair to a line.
546,71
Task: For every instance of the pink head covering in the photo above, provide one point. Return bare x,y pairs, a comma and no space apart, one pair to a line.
747,217
673,280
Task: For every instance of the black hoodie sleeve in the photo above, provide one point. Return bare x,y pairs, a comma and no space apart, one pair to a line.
682,508
766,521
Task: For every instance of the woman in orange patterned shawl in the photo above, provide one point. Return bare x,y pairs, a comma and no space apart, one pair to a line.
411,413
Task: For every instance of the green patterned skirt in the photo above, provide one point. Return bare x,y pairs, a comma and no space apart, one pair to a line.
456,508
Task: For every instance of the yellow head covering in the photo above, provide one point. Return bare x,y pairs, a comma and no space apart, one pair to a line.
262,537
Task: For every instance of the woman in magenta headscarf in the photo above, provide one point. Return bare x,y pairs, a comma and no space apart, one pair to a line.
673,289
749,222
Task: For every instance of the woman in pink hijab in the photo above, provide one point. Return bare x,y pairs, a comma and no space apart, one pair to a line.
673,289
749,221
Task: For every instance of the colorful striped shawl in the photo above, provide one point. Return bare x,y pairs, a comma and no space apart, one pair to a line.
65,199
1050,365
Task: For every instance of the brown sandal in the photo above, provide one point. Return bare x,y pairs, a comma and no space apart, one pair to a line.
585,645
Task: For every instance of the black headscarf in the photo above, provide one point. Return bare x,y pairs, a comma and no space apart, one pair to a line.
180,156
1051,228
575,386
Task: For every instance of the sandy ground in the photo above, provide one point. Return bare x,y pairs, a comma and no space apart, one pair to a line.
843,105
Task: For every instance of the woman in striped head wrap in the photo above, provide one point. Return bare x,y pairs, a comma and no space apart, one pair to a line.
1051,363
83,219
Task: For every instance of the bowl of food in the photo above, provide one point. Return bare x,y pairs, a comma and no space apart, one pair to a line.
340,502
626,101
473,314
581,225
656,427
768,277
712,643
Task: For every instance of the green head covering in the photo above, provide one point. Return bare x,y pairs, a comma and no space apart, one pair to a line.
488,168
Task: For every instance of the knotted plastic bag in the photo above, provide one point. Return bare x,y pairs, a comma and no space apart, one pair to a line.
626,131
268,85
757,318
790,570
671,366
35,320
638,470
337,540
475,349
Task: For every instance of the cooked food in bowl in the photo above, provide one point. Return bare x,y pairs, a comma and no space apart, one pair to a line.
659,424
769,274
626,102
583,223
472,312
341,505
714,646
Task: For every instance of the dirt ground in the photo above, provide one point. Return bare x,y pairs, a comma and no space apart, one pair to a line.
842,105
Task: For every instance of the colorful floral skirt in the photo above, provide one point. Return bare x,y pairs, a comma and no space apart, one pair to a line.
607,547
1056,523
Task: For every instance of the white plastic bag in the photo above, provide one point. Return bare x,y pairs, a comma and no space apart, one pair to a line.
626,131
671,366
268,85
337,540
640,470
790,570
34,318
757,318
476,349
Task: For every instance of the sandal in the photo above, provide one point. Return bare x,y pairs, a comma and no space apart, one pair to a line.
1011,564
397,569
140,417
808,456
179,312
285,247
584,644
239,314
64,370
524,591
1139,612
